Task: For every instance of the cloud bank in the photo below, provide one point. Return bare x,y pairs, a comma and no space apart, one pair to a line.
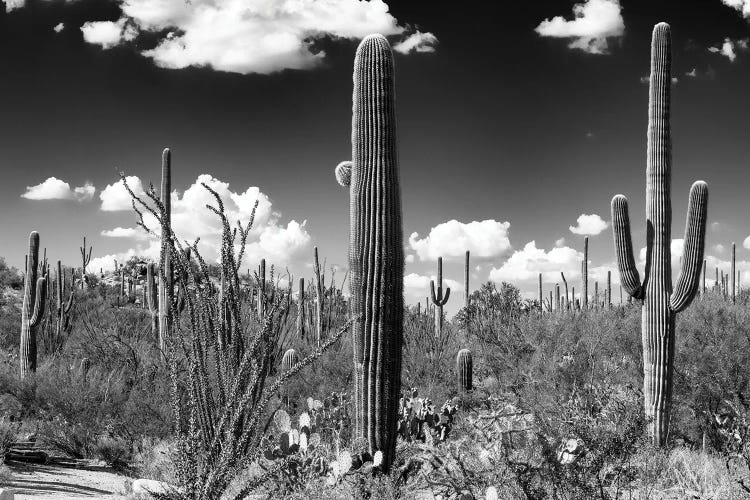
56,189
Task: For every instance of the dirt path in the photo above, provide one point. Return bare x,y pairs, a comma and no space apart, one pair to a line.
45,482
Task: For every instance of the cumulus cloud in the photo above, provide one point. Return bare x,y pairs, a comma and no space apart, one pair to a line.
730,48
739,5
450,240
527,263
419,285
746,243
115,197
590,225
594,23
56,189
108,34
58,27
417,42
248,36
269,238
11,5
123,232
560,242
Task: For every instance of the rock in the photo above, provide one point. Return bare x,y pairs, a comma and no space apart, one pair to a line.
7,494
151,486
570,451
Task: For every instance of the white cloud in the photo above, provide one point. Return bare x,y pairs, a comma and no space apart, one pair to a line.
746,243
409,258
451,240
589,225
419,285
123,232
676,249
560,242
594,23
108,34
526,264
417,42
279,243
56,189
249,36
718,248
11,5
115,197
730,48
59,27
739,5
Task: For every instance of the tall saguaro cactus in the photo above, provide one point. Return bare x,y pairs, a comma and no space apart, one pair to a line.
376,254
32,310
660,302
734,274
152,298
585,275
63,307
301,309
318,298
166,292
439,299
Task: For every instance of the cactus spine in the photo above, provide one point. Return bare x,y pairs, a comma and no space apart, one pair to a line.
660,303
438,299
376,257
166,293
32,311
464,367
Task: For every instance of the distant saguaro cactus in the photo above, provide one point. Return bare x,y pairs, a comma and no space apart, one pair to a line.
376,255
660,303
541,295
734,275
85,260
152,298
166,291
438,299
32,310
585,275
319,298
464,367
63,307
301,309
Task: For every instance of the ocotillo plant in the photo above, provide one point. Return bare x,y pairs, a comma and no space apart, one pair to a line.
438,299
166,291
32,310
734,274
376,255
609,289
319,298
63,307
85,260
301,310
464,367
585,275
466,281
660,303
565,283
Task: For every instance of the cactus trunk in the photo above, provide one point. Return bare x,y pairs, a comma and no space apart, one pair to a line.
585,275
464,368
376,259
734,274
32,310
438,299
166,294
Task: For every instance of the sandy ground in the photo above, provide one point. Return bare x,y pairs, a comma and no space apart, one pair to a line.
45,482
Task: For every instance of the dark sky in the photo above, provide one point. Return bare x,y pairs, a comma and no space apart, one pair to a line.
497,123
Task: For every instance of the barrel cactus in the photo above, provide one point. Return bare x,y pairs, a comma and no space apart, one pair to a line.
464,367
660,303
376,256
32,311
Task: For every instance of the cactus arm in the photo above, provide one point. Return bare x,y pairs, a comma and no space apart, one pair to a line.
432,293
446,297
624,247
39,303
692,257
344,173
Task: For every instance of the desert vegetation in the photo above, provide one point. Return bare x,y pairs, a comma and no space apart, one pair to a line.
216,382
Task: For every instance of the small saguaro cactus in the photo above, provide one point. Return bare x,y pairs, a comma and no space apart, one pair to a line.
32,310
376,253
289,359
152,298
660,303
438,298
464,367
166,291
85,260
319,298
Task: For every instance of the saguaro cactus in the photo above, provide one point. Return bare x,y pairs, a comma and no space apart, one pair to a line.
301,309
166,292
85,260
261,289
541,294
152,298
660,303
319,298
376,255
734,275
32,310
63,307
464,367
438,299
